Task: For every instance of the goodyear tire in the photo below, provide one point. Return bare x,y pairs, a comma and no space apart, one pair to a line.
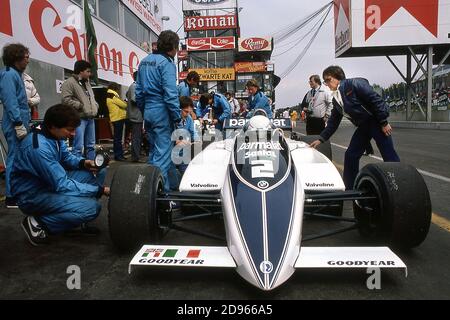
324,148
133,212
401,213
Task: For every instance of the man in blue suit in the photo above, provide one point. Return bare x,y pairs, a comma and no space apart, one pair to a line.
356,100
157,95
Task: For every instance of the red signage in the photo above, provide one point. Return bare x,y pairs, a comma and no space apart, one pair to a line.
199,44
210,23
425,11
182,55
247,67
182,75
255,44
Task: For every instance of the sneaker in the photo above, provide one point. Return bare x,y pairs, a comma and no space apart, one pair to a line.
35,233
11,203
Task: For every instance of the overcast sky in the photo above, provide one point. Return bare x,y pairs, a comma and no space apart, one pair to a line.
265,17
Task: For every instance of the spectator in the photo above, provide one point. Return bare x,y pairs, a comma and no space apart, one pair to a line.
77,93
32,95
257,99
57,190
317,105
356,100
16,113
156,93
234,104
294,118
117,115
135,117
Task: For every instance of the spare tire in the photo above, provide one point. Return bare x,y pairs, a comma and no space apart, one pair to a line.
401,213
133,212
324,148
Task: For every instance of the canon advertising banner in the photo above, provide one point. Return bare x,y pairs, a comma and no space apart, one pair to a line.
54,32
208,4
391,23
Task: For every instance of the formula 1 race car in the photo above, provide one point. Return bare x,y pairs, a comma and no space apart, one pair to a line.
264,181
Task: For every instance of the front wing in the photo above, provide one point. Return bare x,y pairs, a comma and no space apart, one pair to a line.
310,257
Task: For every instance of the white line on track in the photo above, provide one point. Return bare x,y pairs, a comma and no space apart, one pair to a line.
423,172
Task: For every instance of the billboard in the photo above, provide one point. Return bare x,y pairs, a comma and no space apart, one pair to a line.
208,4
210,23
217,74
248,67
375,24
255,44
53,31
218,43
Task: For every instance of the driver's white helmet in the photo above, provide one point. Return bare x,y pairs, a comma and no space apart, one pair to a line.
259,123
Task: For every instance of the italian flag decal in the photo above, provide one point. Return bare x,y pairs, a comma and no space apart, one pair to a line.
171,253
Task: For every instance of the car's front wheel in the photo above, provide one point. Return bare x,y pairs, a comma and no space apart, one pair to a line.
133,209
400,214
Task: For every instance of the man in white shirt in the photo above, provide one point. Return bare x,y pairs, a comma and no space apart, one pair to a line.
317,105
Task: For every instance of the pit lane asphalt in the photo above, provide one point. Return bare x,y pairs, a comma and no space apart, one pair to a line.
28,272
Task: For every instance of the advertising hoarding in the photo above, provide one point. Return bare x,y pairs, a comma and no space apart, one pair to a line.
248,67
52,30
210,23
217,74
255,44
219,43
375,24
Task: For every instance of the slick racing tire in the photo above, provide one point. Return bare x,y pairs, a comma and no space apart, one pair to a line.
133,212
324,148
401,213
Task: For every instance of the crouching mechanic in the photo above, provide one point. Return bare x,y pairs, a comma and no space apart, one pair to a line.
57,190
185,136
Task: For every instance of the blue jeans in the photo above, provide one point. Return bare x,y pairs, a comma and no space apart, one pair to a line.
118,133
159,126
361,138
84,140
58,212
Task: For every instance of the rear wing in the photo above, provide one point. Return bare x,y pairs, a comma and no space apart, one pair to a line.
239,123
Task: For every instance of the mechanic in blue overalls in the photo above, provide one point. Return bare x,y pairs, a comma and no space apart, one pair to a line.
220,106
356,100
56,189
16,112
157,95
257,99
185,86
186,133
